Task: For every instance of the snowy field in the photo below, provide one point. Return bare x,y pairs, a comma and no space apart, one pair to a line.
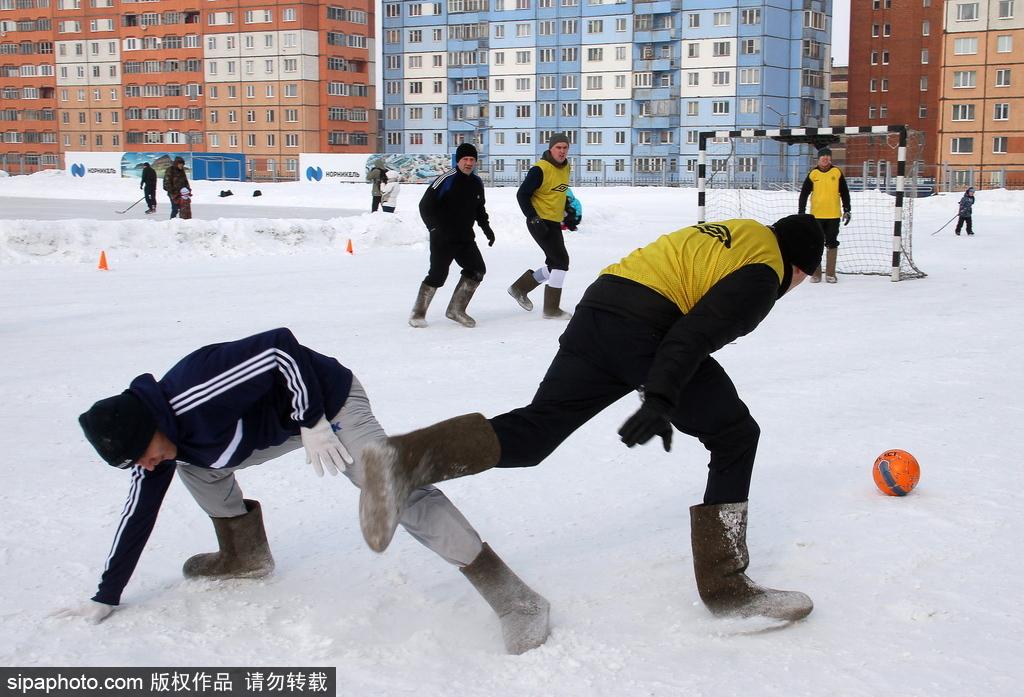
915,596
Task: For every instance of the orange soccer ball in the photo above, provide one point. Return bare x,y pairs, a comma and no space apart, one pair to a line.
896,472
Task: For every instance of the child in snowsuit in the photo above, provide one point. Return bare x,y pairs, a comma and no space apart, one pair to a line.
185,204
966,204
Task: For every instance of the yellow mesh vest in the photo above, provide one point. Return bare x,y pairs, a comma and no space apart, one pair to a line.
825,196
683,265
549,198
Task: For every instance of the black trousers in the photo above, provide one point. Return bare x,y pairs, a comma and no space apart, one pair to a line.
150,197
830,226
444,250
960,224
601,358
552,243
375,204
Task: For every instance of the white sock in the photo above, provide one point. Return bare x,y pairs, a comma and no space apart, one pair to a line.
541,274
557,279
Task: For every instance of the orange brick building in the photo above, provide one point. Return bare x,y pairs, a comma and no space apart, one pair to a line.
264,78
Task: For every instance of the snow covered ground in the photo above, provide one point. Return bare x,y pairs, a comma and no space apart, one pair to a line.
914,596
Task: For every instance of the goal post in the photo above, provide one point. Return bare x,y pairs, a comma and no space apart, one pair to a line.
878,239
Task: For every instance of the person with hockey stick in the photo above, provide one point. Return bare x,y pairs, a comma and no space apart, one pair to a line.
449,207
650,323
228,406
148,186
826,187
541,197
966,207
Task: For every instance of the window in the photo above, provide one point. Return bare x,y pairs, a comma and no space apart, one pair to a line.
750,105
923,83
693,20
720,77
750,46
926,28
1004,44
719,107
964,78
692,108
1003,77
595,26
752,16
722,19
750,76
1001,111
594,137
595,109
720,49
693,79
965,46
963,112
1005,10
924,56
922,111
961,146
288,14
999,145
594,82
967,11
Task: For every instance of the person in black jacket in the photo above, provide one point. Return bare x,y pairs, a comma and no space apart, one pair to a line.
649,323
449,207
233,405
148,186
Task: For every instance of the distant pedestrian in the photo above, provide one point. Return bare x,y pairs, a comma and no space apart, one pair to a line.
175,179
966,204
389,193
541,197
148,186
185,204
378,177
449,207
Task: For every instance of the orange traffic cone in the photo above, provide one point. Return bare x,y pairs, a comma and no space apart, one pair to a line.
103,262
348,247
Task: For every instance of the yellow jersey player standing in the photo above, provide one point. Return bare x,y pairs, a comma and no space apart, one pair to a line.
826,186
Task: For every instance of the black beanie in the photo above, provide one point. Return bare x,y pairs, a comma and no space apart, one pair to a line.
120,428
556,139
825,151
465,150
801,241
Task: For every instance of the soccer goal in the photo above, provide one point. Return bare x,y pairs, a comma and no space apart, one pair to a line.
747,179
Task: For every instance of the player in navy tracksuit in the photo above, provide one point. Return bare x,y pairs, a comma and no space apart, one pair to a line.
237,404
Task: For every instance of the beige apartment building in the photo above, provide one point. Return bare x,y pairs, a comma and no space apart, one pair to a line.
266,79
981,127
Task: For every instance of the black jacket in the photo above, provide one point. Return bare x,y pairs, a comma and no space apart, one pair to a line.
149,178
452,203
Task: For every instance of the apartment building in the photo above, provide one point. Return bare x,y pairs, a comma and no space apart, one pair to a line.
632,83
266,79
981,127
838,96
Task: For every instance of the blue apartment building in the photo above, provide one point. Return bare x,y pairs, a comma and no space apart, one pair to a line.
631,82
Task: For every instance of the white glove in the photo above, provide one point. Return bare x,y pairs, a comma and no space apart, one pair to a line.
91,611
323,449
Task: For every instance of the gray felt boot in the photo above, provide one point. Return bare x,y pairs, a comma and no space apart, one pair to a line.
244,552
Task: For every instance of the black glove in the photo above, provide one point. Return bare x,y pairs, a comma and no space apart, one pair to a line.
650,420
489,234
537,226
846,218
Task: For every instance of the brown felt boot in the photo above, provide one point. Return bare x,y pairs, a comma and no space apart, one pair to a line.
393,468
830,265
552,300
522,611
460,301
521,288
244,552
720,559
424,295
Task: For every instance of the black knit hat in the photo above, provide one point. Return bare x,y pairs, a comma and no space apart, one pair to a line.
825,151
801,241
179,159
465,150
556,139
120,428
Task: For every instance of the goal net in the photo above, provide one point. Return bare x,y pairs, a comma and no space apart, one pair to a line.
758,173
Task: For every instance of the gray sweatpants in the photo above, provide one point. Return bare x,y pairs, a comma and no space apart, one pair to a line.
429,516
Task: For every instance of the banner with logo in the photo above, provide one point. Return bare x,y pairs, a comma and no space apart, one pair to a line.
327,168
93,164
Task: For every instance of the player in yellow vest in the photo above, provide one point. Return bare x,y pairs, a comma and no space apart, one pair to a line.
650,323
541,197
826,186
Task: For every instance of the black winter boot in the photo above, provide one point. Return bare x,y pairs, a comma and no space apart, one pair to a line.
552,300
244,552
393,468
460,301
521,288
720,559
522,611
424,295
